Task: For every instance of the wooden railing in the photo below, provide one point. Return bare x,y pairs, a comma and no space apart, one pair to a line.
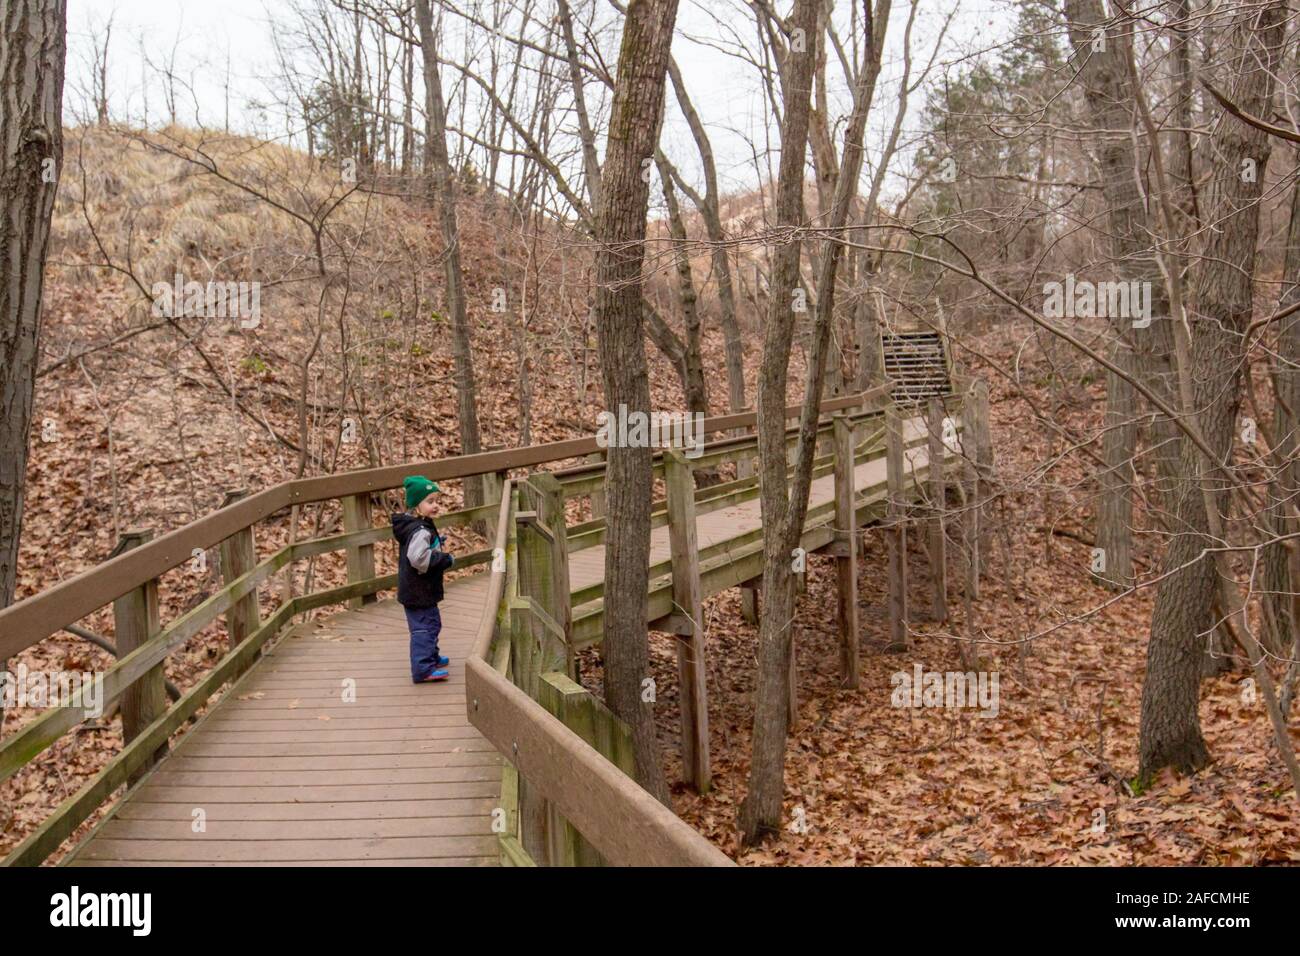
568,793
601,802
531,627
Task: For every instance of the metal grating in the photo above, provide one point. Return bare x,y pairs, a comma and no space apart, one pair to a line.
917,365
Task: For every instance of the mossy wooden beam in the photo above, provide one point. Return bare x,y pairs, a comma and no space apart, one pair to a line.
135,623
687,621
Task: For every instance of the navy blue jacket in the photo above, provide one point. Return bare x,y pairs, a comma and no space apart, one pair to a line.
420,560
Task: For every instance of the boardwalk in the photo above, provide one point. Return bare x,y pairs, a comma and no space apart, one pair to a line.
283,771
286,772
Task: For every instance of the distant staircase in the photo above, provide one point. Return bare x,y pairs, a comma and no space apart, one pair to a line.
917,364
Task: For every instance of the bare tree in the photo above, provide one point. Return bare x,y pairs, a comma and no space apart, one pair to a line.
1211,366
760,813
33,48
620,251
443,181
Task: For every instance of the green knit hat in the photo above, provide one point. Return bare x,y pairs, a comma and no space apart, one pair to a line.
418,488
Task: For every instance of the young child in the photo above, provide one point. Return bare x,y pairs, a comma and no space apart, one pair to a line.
420,566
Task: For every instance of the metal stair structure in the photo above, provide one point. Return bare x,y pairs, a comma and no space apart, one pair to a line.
917,363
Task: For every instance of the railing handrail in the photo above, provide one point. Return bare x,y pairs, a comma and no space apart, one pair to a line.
33,619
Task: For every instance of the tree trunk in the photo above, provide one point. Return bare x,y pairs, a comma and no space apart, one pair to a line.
443,188
590,162
1110,99
1279,567
866,325
620,253
32,52
690,372
708,205
760,813
785,504
1181,623
692,354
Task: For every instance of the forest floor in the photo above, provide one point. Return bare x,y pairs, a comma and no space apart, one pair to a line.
1040,782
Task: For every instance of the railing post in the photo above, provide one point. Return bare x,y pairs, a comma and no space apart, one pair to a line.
845,550
559,604
687,621
135,619
896,530
361,557
582,713
493,483
544,608
564,699
979,452
599,504
938,503
238,557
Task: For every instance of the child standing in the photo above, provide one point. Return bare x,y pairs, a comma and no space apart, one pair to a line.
420,566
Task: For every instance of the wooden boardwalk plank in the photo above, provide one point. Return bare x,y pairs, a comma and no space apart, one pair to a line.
280,812
199,849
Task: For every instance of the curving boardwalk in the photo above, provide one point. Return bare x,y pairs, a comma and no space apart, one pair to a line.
283,771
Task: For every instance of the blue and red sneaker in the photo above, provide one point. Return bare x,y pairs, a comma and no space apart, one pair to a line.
435,677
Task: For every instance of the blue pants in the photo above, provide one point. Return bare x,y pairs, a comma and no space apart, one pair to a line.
425,624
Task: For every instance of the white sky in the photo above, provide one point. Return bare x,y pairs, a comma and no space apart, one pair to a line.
204,35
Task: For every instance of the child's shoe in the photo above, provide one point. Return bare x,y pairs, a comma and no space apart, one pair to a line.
442,661
438,675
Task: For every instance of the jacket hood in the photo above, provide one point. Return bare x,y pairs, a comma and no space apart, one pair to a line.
404,523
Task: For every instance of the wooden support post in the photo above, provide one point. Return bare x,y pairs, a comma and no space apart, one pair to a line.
688,619
361,557
135,619
541,624
979,450
599,504
591,720
553,515
493,482
238,557
971,519
544,578
567,701
938,504
845,550
749,604
896,531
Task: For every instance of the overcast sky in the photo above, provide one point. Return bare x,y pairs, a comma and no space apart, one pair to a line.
202,37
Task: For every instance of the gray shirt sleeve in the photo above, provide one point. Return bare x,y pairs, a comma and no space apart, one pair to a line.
420,550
